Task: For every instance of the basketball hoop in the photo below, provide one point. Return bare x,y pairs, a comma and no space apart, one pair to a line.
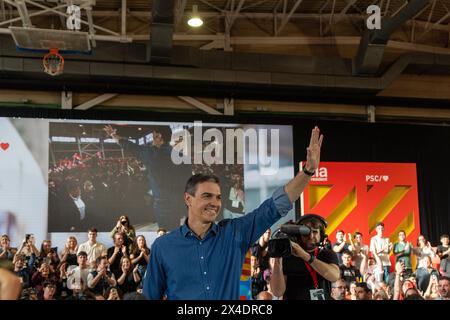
53,63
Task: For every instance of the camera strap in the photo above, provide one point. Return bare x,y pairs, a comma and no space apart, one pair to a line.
311,271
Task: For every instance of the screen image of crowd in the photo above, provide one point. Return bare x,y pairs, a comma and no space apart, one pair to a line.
132,176
90,271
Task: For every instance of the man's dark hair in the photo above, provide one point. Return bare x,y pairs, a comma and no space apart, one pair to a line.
346,251
444,278
444,236
99,259
379,224
340,231
364,286
165,131
72,185
92,230
358,233
82,253
402,231
191,184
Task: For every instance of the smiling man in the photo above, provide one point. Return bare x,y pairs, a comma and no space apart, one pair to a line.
203,259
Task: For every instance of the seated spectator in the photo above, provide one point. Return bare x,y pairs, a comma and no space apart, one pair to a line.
432,292
23,268
112,293
141,255
351,294
443,251
424,273
128,232
28,247
259,250
49,291
39,277
48,255
380,295
129,279
101,279
257,283
78,276
362,291
160,232
6,252
443,287
338,290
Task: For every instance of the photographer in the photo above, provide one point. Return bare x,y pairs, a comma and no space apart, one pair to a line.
124,227
308,272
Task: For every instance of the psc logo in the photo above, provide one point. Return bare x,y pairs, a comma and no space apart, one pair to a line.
377,178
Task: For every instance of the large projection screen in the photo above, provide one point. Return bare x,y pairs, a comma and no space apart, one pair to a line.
41,159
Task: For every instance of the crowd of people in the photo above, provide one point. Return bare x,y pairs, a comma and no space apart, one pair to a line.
80,271
365,270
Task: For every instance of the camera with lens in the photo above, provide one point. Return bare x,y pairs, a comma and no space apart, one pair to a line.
280,245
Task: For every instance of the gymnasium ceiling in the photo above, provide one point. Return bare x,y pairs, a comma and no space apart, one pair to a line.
312,46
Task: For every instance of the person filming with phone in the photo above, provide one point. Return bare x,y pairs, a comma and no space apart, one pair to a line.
306,272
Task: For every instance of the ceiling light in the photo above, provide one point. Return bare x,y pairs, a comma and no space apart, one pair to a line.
194,20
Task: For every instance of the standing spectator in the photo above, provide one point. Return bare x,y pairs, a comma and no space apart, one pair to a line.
425,273
340,244
358,249
28,247
348,272
380,247
141,256
69,253
129,279
443,252
6,252
423,250
124,227
115,254
403,250
93,249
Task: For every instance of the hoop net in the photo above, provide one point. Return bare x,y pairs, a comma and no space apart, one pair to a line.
53,63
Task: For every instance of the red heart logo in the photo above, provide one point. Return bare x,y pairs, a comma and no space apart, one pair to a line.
4,146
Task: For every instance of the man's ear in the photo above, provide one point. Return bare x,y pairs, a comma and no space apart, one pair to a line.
187,199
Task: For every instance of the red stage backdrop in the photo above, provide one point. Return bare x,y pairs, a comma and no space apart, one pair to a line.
354,196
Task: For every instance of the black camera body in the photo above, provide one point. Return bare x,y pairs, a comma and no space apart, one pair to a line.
280,247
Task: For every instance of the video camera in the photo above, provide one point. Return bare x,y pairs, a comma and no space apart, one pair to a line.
280,245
